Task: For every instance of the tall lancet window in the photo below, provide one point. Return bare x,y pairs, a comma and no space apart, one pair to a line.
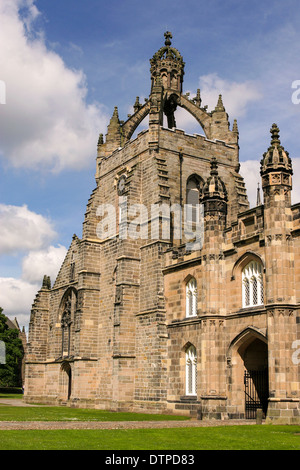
191,371
68,309
252,284
191,298
192,200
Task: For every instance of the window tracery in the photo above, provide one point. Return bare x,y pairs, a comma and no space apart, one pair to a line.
69,306
191,298
191,371
252,284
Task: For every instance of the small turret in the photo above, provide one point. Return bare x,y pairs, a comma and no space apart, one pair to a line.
276,158
214,199
214,193
276,171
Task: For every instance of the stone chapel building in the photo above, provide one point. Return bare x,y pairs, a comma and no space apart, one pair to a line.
178,298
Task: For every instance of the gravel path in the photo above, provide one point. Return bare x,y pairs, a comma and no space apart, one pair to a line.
42,425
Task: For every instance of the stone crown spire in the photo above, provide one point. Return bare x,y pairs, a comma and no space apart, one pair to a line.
167,66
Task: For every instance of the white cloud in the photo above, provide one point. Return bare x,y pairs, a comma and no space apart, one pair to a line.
236,96
29,234
17,295
250,170
16,298
23,230
38,263
186,122
46,121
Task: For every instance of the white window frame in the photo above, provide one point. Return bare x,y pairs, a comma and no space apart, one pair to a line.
191,298
251,276
191,371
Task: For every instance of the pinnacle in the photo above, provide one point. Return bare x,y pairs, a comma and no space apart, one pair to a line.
115,113
220,106
275,135
100,140
235,126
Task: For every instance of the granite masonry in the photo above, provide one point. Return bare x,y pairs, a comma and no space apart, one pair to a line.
178,298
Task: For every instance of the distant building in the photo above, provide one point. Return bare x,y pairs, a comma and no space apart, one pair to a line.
178,298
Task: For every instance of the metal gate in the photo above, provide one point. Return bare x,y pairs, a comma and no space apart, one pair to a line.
256,392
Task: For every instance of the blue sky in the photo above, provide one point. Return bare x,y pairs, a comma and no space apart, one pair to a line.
67,63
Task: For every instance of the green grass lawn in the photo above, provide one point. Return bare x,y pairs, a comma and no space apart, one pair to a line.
56,413
18,396
264,437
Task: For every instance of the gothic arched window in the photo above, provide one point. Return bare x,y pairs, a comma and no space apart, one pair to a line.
252,284
68,309
191,298
192,199
191,371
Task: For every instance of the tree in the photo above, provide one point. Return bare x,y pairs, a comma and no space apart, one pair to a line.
10,370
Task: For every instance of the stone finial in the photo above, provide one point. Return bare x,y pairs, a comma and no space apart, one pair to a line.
214,167
197,100
168,37
275,135
235,127
46,282
258,199
137,105
100,140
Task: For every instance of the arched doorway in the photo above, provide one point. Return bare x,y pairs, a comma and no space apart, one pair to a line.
256,386
66,381
248,358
